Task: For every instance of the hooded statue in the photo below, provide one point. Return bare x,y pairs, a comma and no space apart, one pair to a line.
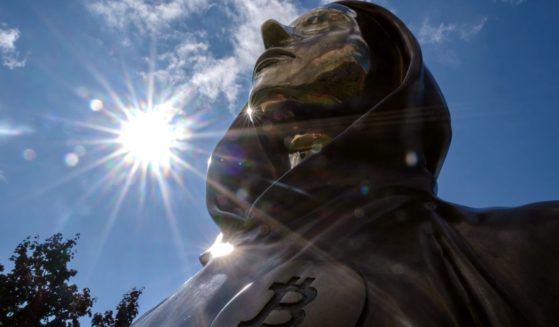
324,188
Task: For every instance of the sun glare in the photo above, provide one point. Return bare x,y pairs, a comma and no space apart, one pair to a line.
220,248
149,138
146,139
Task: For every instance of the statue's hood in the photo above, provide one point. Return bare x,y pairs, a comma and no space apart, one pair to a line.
400,141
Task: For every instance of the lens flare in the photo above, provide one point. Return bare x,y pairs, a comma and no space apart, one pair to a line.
96,105
136,143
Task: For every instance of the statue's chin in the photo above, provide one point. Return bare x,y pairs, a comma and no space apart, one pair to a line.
305,145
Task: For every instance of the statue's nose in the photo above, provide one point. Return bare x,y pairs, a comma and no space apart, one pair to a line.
275,34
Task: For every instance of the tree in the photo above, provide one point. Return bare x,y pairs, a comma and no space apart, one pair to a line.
37,291
126,311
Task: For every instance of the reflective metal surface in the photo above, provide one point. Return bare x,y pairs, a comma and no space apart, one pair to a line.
320,59
339,223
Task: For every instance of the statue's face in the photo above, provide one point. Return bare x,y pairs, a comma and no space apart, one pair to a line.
319,59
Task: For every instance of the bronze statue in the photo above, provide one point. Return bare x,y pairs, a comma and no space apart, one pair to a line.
325,185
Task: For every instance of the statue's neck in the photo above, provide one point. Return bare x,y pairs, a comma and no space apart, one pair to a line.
306,188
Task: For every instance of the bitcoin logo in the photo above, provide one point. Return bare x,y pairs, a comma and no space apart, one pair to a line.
298,293
285,308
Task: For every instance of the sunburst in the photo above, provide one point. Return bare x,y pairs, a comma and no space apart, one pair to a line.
151,138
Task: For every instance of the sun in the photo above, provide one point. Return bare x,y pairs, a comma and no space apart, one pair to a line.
149,138
140,146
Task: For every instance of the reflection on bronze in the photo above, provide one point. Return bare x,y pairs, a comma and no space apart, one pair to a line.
321,58
334,178
289,295
286,307
301,146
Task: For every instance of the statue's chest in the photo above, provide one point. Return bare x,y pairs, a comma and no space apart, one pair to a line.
298,293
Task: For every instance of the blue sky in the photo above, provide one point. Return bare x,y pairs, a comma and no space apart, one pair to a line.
495,61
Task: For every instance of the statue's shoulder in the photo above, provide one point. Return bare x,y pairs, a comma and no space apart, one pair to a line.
542,208
512,251
528,229
534,213
512,232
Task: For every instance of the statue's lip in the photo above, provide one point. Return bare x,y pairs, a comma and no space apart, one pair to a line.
269,57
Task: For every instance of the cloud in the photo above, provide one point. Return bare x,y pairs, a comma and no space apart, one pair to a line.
10,55
192,64
249,15
145,15
429,34
218,77
8,130
470,30
437,34
222,76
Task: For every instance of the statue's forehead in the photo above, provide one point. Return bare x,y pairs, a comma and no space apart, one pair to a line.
333,8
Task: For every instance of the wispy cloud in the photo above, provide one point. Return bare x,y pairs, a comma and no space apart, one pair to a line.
429,33
145,15
247,17
10,55
8,130
215,76
470,30
436,34
193,62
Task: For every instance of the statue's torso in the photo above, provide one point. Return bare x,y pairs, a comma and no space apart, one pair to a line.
409,264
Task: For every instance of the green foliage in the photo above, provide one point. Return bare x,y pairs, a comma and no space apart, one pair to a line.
37,291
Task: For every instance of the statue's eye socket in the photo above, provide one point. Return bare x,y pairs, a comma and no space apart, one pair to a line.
312,25
320,23
314,20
